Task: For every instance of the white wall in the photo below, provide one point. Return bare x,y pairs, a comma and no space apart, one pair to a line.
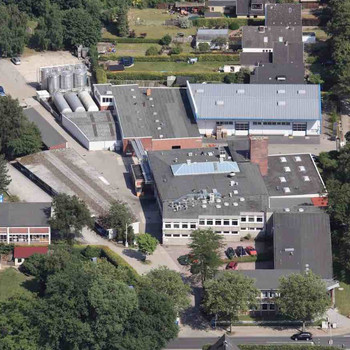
270,129
314,128
101,145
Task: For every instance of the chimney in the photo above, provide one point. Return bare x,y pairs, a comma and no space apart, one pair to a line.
259,152
148,92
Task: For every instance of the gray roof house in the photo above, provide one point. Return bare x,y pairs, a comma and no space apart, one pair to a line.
208,35
283,15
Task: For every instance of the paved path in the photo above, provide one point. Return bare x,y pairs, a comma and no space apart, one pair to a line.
159,258
24,188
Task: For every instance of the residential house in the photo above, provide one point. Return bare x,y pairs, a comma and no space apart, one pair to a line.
209,36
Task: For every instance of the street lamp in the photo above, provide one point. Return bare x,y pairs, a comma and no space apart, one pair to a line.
126,234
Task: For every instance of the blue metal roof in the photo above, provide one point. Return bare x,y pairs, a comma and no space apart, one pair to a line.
204,168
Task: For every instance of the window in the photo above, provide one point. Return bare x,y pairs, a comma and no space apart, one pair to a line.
184,225
176,235
218,222
167,235
256,123
259,219
242,126
202,222
243,219
299,126
280,39
210,222
272,306
235,222
226,222
107,99
234,232
218,232
251,219
264,294
226,232
175,147
243,228
251,228
272,294
184,235
176,225
264,306
192,225
167,225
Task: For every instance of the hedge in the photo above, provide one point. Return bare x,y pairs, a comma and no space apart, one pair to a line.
285,347
6,248
101,76
131,40
225,22
219,57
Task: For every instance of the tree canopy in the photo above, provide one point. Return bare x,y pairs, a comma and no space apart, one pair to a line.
5,179
302,297
146,243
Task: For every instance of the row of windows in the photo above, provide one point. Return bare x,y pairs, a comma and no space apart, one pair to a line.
185,235
267,307
107,99
218,222
252,219
224,123
179,225
252,228
271,123
268,294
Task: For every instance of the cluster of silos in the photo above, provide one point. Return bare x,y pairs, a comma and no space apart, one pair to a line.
63,78
71,102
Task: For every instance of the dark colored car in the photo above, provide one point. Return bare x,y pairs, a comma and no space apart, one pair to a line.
230,252
183,260
302,336
2,91
240,251
232,265
251,250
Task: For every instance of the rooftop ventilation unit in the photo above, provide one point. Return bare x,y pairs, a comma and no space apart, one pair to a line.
281,103
286,189
286,169
235,204
159,128
204,206
281,91
301,92
132,89
133,96
151,98
226,204
218,200
241,199
219,103
190,154
301,168
109,92
240,91
232,174
235,191
218,206
297,159
301,210
210,154
283,159
161,136
281,78
232,183
306,178
289,250
287,210
283,179
157,120
155,113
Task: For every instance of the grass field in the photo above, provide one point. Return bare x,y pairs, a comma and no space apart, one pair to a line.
342,299
151,21
13,283
183,67
133,49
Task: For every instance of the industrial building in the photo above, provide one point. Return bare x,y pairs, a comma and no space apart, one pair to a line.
158,118
51,138
256,109
25,223
94,130
220,189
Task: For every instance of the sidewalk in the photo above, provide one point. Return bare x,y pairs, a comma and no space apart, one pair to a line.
159,258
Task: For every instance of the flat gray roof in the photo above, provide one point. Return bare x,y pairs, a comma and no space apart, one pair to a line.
25,214
283,15
257,101
210,34
298,171
308,235
50,136
97,126
243,192
164,114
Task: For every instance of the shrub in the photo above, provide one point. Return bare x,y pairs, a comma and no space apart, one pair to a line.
92,252
6,248
152,51
203,47
101,76
185,22
233,26
176,50
166,40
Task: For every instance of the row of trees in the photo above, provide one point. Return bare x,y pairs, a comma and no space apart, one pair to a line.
227,295
86,305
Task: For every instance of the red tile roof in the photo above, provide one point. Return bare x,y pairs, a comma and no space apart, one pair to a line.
26,252
320,201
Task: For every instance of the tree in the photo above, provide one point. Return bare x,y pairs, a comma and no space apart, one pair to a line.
203,47
12,30
170,283
315,79
185,22
70,216
166,40
80,28
230,295
122,23
302,297
205,247
147,244
152,51
219,42
5,179
119,218
347,136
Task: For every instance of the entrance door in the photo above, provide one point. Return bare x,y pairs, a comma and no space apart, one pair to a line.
299,129
242,128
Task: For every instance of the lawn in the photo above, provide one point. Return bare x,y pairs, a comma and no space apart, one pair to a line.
172,67
13,283
151,21
342,299
133,49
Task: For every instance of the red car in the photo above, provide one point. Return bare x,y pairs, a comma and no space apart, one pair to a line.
232,265
251,250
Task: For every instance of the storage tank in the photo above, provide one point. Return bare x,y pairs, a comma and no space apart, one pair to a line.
44,75
87,101
60,103
53,82
80,78
66,80
74,102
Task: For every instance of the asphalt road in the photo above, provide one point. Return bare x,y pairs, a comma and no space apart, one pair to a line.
197,343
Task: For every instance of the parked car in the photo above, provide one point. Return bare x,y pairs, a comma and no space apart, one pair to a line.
230,252
232,265
251,250
16,60
183,260
302,336
2,91
240,251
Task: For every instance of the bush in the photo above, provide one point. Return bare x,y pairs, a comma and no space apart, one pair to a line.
233,26
101,76
6,248
203,47
185,22
225,22
152,51
176,50
166,40
92,252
